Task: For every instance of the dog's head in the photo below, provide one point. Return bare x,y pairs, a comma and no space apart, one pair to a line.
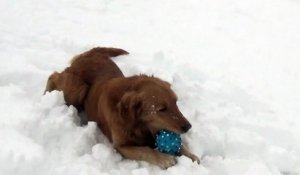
153,103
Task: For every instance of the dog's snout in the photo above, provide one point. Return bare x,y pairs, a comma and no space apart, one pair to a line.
186,127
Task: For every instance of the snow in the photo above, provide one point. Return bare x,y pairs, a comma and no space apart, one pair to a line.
233,64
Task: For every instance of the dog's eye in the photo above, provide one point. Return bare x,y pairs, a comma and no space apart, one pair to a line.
162,109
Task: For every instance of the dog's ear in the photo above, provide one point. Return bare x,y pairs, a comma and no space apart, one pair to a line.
130,105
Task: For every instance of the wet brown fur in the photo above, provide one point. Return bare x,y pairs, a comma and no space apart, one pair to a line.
128,110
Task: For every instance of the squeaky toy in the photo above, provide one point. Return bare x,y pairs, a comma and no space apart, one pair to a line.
168,142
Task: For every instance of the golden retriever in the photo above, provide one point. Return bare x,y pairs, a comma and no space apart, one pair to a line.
129,110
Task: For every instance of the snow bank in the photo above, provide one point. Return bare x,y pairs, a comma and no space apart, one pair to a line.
233,64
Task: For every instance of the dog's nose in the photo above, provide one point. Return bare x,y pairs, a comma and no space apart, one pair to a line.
186,127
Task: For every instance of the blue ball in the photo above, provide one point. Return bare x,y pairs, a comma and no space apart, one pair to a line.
168,142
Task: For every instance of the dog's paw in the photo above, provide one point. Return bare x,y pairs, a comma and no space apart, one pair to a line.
194,158
166,161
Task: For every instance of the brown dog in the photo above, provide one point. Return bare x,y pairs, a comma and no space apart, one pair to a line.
128,110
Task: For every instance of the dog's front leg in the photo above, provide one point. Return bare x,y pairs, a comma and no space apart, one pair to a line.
147,154
184,151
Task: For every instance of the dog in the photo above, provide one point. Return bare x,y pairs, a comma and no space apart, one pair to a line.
128,110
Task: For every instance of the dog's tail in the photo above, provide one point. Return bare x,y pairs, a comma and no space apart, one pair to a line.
108,51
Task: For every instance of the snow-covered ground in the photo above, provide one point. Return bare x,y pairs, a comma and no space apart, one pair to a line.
234,65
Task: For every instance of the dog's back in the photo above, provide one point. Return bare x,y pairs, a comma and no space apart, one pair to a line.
96,65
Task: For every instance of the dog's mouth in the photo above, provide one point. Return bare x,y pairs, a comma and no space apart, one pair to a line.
155,131
154,128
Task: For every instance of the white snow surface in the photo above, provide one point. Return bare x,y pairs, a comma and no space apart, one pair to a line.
235,66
